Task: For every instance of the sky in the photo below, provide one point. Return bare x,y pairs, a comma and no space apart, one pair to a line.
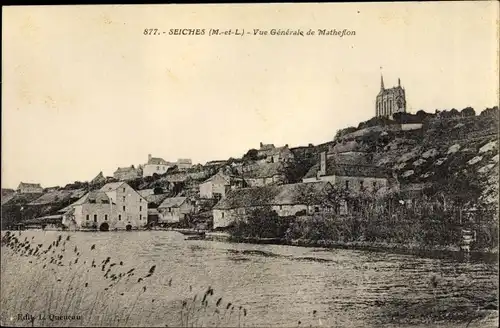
84,90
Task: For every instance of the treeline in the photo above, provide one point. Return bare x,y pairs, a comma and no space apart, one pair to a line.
423,228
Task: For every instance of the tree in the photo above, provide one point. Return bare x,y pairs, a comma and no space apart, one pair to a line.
421,114
468,111
454,113
252,155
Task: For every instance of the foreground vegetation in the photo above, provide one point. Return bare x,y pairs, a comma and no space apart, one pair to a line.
60,284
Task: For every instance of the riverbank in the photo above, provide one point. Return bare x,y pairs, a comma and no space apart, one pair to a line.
412,249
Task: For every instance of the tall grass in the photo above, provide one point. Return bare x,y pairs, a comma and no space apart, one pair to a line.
57,278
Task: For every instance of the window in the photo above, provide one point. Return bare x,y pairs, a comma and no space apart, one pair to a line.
281,207
123,198
105,217
88,217
222,214
140,208
123,189
347,185
158,168
361,184
95,217
140,216
170,209
374,184
123,208
119,217
316,209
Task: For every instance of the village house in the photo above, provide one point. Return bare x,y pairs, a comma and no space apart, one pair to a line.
174,209
116,206
217,185
154,200
350,176
184,163
29,188
286,200
271,154
156,165
257,175
126,173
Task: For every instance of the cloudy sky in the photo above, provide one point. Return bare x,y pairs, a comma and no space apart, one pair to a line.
84,90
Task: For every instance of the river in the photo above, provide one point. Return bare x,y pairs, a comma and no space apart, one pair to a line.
266,285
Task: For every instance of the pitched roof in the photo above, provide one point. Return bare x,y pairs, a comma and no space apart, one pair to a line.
80,201
145,192
156,199
173,202
158,161
126,169
97,196
222,176
53,197
20,199
32,185
264,170
348,170
111,186
288,194
98,178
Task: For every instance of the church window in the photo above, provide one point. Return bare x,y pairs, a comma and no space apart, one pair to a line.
88,216
347,185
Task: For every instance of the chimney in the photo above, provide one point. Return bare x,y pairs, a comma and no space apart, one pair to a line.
322,163
149,157
261,144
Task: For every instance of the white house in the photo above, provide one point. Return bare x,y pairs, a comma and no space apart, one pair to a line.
156,165
29,188
116,206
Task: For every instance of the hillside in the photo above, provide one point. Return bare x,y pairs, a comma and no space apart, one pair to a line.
450,156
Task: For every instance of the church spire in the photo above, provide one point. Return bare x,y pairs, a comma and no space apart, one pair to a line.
399,82
381,82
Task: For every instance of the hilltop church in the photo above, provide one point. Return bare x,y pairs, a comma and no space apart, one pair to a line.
390,101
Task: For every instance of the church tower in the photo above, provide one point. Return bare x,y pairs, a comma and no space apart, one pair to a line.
390,101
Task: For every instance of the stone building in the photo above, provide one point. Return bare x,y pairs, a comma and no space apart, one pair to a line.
286,200
184,163
352,177
116,206
156,165
258,175
173,209
268,153
127,173
390,101
219,184
29,188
